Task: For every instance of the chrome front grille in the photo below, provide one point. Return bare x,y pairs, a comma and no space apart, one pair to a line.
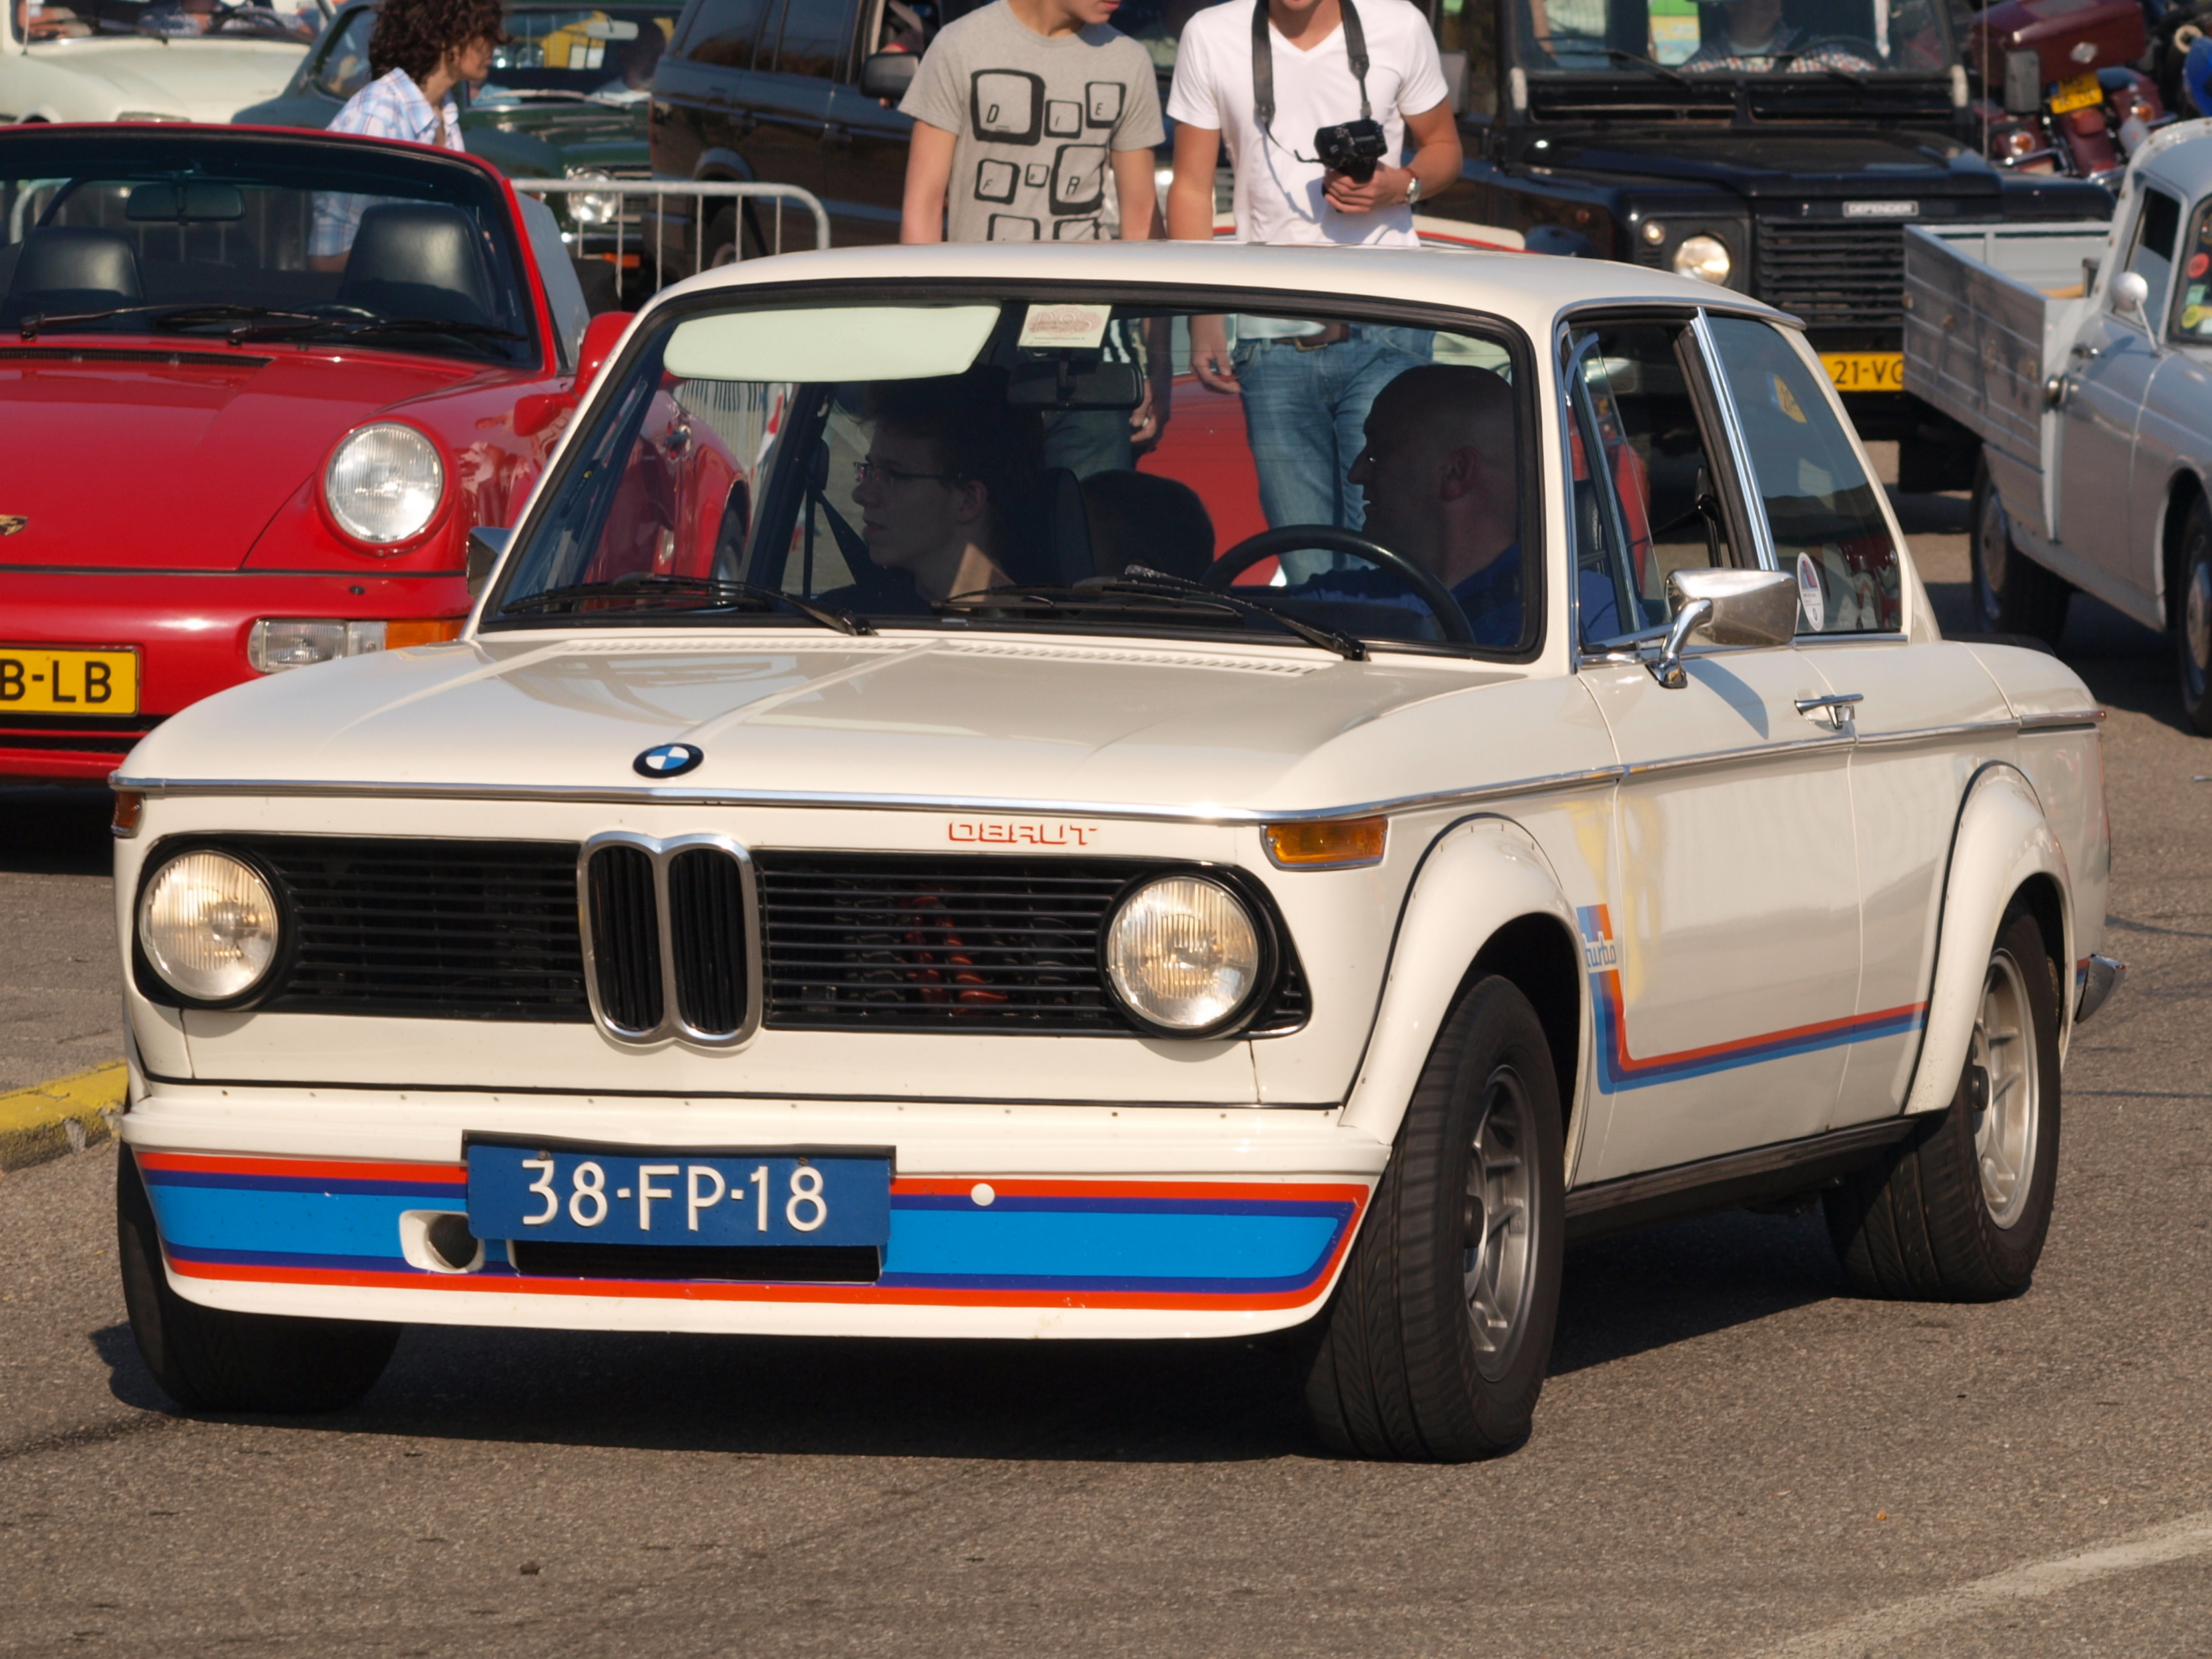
666,933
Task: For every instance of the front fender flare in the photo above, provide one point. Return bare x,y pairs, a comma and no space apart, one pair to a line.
2003,841
1478,875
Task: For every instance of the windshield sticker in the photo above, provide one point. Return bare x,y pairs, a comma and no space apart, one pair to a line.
1810,599
1064,327
1786,400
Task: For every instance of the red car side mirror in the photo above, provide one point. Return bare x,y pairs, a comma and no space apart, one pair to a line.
600,340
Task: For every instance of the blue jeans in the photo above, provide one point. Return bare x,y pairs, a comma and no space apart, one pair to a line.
1306,413
1086,441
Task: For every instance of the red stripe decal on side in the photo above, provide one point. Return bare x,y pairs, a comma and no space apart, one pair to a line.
334,1169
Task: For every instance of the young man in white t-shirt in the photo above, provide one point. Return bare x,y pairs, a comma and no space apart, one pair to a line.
1306,391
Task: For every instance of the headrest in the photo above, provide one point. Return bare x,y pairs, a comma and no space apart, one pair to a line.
92,267
1142,518
418,259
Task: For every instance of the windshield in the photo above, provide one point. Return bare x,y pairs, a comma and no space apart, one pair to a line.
1050,462
1733,37
194,234
39,20
586,53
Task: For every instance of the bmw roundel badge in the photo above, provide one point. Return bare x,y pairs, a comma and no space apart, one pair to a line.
668,759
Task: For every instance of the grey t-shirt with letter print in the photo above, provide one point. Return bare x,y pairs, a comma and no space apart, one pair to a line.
1036,118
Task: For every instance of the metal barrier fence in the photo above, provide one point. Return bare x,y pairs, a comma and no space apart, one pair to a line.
652,232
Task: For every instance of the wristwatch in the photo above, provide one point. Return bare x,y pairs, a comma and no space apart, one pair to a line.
1413,187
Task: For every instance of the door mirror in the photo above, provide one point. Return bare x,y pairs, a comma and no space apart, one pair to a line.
1725,608
2130,291
887,74
600,339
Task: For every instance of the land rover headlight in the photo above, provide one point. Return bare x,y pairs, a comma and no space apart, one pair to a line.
1706,257
1184,954
593,208
208,925
384,482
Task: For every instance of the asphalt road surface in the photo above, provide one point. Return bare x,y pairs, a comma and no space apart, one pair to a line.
1733,1456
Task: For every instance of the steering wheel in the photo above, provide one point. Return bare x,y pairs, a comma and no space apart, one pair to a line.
1288,538
1853,43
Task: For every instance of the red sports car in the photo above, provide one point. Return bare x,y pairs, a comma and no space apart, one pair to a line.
255,389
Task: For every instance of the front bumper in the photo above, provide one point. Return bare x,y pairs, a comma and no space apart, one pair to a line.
1006,1221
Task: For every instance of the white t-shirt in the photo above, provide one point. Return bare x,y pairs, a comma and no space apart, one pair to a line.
1279,197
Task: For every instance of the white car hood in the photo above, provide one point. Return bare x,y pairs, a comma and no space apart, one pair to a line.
979,718
205,80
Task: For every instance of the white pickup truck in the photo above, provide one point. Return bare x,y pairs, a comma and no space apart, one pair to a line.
2082,354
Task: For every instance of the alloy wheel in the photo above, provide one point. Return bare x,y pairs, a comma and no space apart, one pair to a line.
1992,549
2196,620
1499,1257
2007,1091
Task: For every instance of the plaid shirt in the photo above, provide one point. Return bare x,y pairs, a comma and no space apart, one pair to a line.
393,107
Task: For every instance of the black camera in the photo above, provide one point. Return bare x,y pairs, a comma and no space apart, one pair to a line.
1351,147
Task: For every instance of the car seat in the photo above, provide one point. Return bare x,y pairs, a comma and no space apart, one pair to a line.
65,269
1138,518
1048,533
418,259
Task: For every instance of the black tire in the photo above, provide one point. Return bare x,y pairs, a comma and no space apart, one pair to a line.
1400,1368
731,236
212,1359
1923,1224
2192,617
2010,592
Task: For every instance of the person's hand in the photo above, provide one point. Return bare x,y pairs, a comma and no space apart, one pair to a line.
1209,355
1385,188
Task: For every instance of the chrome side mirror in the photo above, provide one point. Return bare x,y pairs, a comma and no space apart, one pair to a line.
2130,292
486,543
1725,608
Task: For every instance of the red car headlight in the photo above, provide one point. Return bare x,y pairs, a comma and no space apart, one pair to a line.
383,483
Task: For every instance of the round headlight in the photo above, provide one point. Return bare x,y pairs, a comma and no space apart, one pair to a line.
384,482
595,207
1706,257
207,925
1183,952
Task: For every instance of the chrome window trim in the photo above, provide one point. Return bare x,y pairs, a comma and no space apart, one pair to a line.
1754,501
661,850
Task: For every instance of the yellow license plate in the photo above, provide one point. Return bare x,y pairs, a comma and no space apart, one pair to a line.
36,680
2077,93
1865,371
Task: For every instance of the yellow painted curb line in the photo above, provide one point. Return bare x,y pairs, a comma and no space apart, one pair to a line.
65,1115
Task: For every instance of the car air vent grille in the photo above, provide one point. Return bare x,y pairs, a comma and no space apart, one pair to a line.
1833,274
625,937
98,355
707,933
428,930
900,942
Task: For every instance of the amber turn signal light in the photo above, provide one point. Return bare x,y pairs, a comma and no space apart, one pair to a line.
1328,845
129,805
398,636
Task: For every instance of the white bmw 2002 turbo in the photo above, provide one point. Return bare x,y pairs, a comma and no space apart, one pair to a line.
886,859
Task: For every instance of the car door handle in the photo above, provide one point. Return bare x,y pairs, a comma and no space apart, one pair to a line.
1837,706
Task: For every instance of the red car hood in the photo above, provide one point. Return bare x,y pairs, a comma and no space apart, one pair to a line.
173,459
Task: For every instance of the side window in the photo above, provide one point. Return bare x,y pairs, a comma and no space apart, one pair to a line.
812,38
2192,313
344,68
1644,502
2151,256
1821,508
722,33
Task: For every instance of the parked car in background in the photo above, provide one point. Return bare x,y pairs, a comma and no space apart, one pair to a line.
2092,402
745,928
255,391
147,60
566,100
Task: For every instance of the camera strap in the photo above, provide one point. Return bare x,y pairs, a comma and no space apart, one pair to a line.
1263,64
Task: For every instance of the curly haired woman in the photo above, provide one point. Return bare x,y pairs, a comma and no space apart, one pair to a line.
419,50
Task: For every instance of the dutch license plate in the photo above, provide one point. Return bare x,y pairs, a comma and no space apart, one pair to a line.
36,680
605,1196
2078,93
1865,371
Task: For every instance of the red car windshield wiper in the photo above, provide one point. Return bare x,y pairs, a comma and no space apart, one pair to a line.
713,593
159,316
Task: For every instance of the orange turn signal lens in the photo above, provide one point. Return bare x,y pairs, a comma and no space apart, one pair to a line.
1326,845
398,636
130,806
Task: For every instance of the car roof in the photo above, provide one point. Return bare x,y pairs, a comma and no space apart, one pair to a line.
2181,155
1531,289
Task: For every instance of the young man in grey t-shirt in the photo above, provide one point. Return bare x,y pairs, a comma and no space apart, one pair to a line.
1026,114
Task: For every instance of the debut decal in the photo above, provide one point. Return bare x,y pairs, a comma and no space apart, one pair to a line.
1000,833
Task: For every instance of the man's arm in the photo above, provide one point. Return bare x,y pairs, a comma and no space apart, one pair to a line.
1137,192
1190,196
928,172
1436,161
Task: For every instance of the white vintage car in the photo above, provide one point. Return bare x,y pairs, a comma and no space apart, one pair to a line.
145,60
880,862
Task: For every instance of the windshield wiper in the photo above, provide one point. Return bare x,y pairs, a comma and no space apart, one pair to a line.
1622,55
159,316
348,328
713,590
1124,594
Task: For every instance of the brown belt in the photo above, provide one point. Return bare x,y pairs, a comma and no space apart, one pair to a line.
1333,335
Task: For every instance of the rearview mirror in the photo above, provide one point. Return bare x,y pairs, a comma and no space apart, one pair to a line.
1725,608
190,200
1073,383
889,74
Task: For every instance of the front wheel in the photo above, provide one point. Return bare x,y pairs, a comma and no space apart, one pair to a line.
213,1359
1437,1340
2193,616
1958,1213
2012,594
